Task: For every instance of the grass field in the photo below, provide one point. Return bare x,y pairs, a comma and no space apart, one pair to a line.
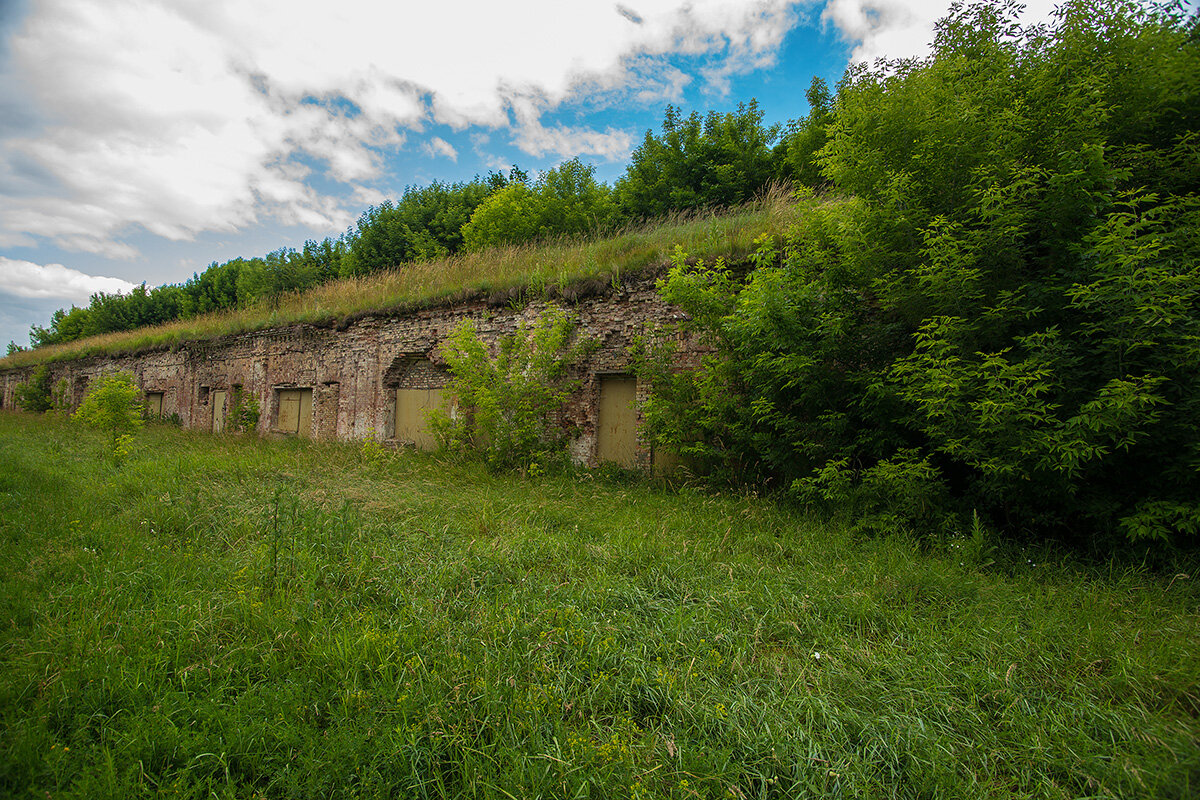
226,617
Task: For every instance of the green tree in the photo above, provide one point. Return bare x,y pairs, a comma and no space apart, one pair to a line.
1004,314
804,139
566,200
113,406
425,223
712,161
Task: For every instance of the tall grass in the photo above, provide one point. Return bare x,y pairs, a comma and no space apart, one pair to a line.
544,265
227,617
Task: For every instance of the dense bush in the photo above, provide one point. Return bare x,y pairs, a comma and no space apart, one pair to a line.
114,407
509,399
563,201
698,162
35,394
1005,317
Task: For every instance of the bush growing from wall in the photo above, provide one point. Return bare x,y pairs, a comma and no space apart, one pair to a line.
509,400
244,411
35,394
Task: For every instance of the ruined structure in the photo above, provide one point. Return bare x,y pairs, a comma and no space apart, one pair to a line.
374,377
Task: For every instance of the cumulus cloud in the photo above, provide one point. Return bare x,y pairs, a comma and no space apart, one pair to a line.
26,279
182,118
900,28
437,146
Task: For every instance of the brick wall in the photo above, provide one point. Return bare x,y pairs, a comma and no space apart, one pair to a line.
354,372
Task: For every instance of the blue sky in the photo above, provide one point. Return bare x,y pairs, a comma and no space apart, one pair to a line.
141,140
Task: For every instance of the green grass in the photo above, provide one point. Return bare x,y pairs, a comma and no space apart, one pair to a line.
553,266
226,617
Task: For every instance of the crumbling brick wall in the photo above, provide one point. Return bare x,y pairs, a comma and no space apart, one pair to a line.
354,369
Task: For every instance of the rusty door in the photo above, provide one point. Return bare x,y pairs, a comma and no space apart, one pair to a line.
219,398
617,423
412,416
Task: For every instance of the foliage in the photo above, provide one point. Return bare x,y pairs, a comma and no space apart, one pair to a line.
425,223
711,161
804,139
422,284
60,396
113,406
1004,309
35,394
244,411
566,200
510,401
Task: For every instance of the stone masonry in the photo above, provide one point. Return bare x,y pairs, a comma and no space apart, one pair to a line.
353,370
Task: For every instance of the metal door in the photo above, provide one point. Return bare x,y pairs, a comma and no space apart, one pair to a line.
617,423
295,411
218,397
412,416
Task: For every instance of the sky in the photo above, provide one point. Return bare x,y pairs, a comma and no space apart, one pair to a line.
142,140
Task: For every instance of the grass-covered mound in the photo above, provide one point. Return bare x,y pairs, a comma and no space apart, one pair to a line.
541,267
226,617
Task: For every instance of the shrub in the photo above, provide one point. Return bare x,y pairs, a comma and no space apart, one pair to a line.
113,407
509,402
34,395
244,412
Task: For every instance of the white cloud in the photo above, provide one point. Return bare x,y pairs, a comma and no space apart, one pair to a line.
900,28
438,146
26,279
181,118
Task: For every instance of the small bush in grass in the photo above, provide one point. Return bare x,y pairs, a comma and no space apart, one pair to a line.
114,407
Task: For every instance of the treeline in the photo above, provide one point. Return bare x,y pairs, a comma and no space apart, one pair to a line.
714,160
999,322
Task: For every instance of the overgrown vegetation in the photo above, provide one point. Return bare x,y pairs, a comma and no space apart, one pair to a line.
508,402
113,406
1003,319
306,622
35,395
720,162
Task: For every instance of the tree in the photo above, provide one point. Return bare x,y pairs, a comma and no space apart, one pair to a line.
802,142
566,200
711,161
425,223
1003,314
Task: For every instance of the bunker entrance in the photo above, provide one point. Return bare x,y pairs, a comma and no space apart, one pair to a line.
417,384
617,422
412,416
295,412
154,404
219,399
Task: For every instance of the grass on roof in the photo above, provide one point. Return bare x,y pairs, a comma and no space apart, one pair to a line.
548,264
